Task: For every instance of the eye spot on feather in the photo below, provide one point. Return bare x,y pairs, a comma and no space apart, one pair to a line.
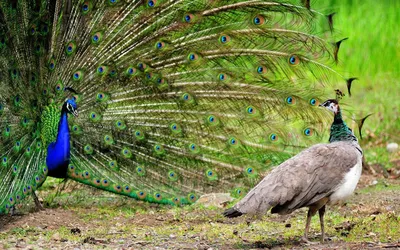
117,188
120,124
127,189
105,183
139,135
172,176
151,3
130,71
224,39
192,197
251,110
308,132
273,137
85,7
193,57
160,45
188,18
294,60
140,171
313,102
126,153
233,141
176,200
142,66
158,196
290,100
258,20
141,194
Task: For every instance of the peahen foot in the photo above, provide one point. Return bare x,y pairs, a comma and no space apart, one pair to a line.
305,241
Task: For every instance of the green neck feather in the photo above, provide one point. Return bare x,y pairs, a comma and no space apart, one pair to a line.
340,131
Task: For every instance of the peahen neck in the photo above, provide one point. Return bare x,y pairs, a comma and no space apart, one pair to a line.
339,129
58,152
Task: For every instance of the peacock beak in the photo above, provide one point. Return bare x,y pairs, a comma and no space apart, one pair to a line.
75,113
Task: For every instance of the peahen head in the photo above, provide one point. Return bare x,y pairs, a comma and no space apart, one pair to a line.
332,105
70,107
339,130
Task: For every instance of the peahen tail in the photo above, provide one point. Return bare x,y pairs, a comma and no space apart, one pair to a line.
175,98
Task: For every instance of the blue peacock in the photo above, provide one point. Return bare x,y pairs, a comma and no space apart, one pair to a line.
175,98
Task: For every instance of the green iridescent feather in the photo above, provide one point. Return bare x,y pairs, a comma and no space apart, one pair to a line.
175,98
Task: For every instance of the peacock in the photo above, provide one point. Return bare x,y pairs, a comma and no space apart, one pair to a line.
159,100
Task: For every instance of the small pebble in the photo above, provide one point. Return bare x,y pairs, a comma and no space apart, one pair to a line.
392,147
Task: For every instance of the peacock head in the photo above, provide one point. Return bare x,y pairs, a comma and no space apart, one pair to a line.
332,105
70,106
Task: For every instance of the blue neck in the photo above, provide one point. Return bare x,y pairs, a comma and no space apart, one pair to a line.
58,152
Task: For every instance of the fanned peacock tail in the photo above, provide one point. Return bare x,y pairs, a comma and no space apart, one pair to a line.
175,98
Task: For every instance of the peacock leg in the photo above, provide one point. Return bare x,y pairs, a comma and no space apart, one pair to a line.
37,202
321,212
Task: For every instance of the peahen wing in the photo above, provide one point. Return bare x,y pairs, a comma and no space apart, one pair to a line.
176,98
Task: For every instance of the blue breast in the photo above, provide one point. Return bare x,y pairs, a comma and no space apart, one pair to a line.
58,152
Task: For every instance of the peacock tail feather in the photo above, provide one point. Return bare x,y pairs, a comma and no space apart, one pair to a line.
176,98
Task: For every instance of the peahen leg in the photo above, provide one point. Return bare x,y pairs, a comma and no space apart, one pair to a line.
321,212
37,202
311,212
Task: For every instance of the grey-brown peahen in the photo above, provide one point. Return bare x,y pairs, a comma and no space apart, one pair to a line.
175,98
320,175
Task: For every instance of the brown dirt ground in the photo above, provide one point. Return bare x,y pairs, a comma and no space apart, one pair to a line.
363,204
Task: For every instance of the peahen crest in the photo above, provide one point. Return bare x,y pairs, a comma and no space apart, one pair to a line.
175,98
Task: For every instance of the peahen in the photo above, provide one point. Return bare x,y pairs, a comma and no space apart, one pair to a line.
175,98
320,175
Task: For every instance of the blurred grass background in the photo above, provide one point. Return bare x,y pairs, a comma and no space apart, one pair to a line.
372,53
